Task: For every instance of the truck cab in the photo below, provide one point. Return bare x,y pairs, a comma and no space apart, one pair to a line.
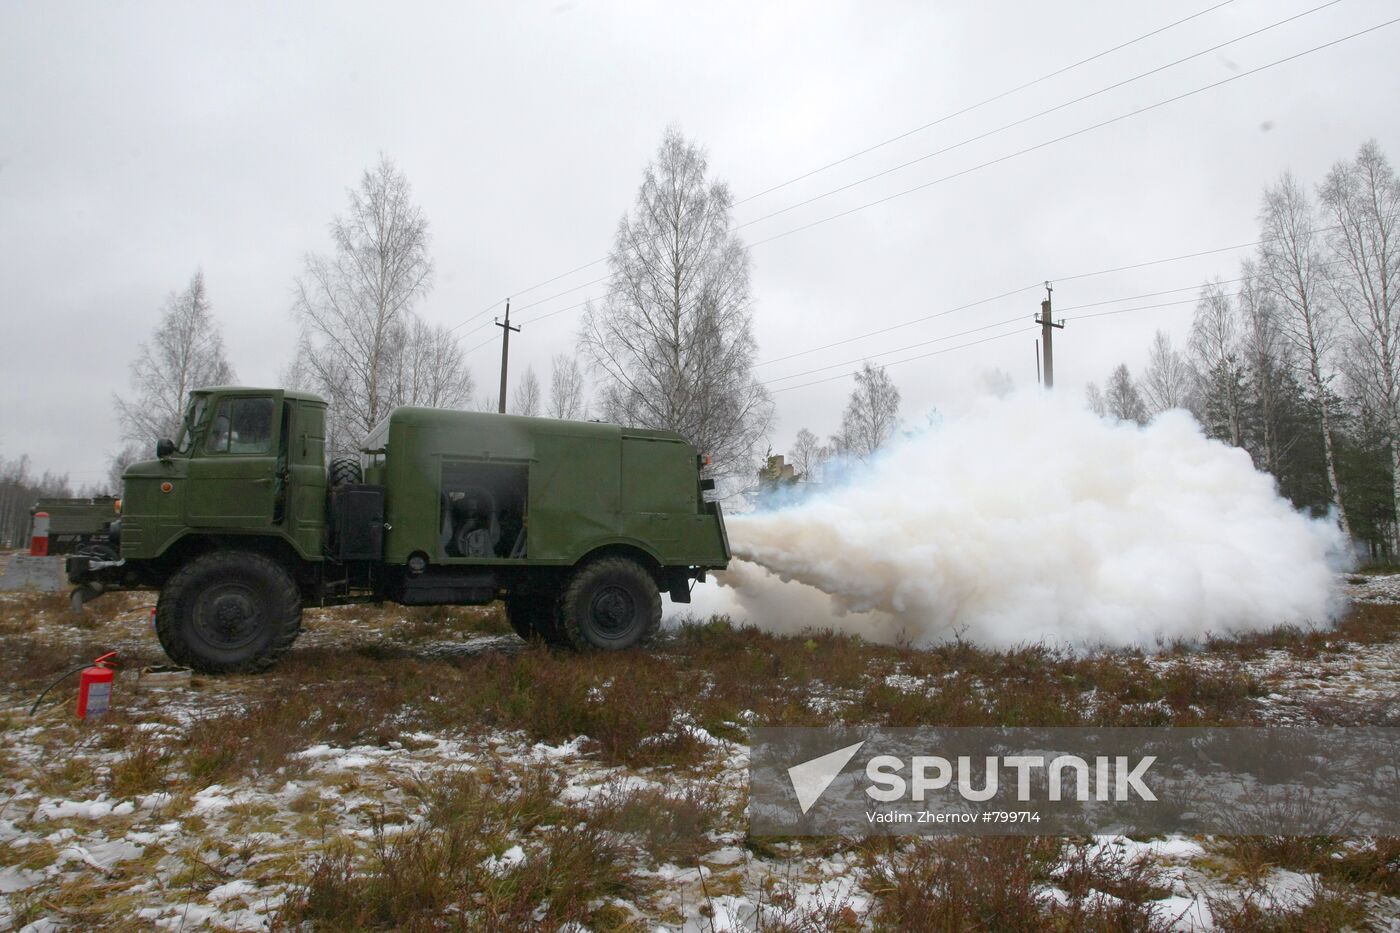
246,467
239,522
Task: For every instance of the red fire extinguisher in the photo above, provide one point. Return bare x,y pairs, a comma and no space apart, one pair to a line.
95,687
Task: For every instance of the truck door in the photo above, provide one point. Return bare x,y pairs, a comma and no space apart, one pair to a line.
233,477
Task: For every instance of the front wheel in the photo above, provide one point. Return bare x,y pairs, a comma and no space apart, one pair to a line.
228,612
610,604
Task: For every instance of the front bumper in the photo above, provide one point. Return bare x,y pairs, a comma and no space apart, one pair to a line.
82,570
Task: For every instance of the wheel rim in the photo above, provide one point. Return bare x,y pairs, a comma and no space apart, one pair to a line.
228,617
613,611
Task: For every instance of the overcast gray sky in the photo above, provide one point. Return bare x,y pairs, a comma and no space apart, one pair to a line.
140,141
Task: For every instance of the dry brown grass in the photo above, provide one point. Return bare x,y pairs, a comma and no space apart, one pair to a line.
144,768
1326,907
373,675
997,883
447,868
665,825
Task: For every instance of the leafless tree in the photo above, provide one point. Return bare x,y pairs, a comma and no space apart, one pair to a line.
672,341
19,487
355,306
1270,358
1292,272
1167,382
807,455
526,400
185,352
998,382
1216,359
1362,198
1095,400
566,388
123,458
871,416
432,370
1121,397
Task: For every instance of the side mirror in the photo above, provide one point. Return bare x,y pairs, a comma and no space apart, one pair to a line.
164,448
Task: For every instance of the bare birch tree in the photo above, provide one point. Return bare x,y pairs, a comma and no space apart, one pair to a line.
123,458
871,416
1220,372
355,305
1292,271
807,455
185,352
1094,400
1270,359
566,388
672,341
1362,199
432,369
526,399
1121,398
1167,382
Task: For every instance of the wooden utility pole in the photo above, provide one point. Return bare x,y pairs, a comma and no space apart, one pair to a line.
1047,328
505,352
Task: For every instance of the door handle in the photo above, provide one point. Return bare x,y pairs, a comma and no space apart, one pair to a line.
264,481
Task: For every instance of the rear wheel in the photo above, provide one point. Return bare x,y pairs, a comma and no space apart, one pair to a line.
228,612
610,604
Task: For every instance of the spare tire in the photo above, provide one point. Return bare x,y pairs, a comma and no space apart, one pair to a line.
345,471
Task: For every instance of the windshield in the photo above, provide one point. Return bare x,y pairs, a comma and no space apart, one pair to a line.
193,413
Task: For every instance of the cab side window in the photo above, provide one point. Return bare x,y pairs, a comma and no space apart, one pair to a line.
241,426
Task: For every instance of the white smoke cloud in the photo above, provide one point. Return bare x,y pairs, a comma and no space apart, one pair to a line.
1028,519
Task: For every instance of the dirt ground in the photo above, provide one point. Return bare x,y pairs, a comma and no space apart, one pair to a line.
425,769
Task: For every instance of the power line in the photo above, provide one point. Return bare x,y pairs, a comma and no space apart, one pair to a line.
1015,291
1078,317
964,346
1013,320
1079,132
1034,116
1163,304
912,346
894,139
911,359
903,324
989,100
980,301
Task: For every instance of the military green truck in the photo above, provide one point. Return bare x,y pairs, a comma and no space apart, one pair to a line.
579,527
81,525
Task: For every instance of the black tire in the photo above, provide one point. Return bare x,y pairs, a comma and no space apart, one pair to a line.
228,612
345,471
610,604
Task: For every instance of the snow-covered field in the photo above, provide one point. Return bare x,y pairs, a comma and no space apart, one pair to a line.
428,770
